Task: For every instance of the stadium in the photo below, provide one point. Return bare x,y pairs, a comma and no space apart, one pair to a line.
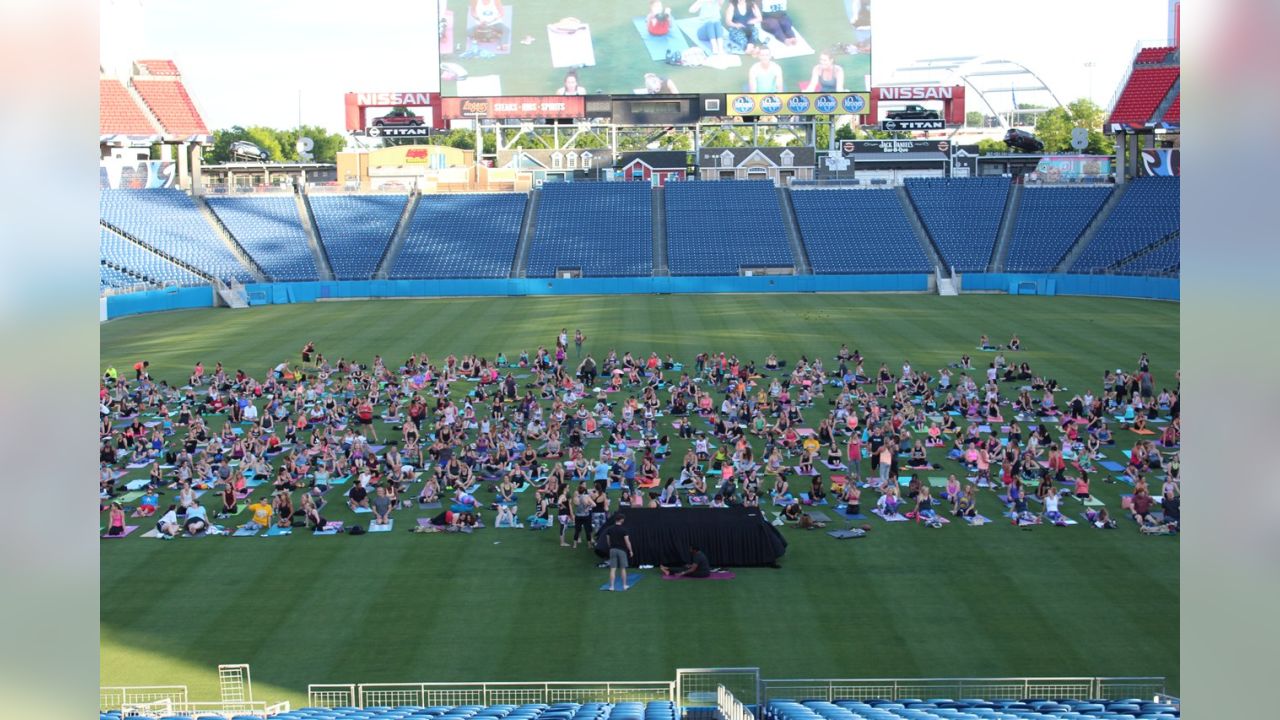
769,391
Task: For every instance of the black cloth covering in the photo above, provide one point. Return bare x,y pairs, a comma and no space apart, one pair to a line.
731,537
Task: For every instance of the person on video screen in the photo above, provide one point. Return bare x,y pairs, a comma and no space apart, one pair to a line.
827,75
743,19
775,21
711,30
765,76
571,85
657,85
488,13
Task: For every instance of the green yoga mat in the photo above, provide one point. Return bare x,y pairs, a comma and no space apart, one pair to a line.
131,496
937,482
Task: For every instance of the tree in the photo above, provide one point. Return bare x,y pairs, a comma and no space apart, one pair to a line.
973,118
325,145
280,145
1054,128
989,146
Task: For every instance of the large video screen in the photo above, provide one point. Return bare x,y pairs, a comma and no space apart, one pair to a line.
492,48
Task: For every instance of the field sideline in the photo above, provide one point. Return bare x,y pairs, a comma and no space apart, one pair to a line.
511,605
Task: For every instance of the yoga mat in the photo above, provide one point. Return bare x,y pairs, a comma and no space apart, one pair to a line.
570,48
1111,465
897,517
847,534
659,45
845,514
977,520
127,529
375,527
250,530
782,51
138,465
130,496
937,482
277,531
717,575
152,533
138,484
819,516
632,579
362,510
1092,502
332,527
1144,431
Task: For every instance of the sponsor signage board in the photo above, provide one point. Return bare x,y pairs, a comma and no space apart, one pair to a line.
891,147
919,92
399,132
515,108
738,105
912,125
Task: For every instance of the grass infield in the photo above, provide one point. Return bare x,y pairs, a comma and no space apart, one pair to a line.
512,605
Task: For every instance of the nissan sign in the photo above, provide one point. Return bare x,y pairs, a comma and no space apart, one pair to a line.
915,93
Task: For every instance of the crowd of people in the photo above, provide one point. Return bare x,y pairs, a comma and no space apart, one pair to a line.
589,436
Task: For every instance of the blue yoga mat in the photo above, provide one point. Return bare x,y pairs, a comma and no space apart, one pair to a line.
1111,465
632,579
659,45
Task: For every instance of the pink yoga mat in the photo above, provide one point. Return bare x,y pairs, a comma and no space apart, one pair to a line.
721,575
127,529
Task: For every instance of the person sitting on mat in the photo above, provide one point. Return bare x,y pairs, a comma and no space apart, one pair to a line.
506,515
655,84
283,507
1052,512
571,86
765,76
1140,507
197,520
817,493
743,19
115,523
966,505
658,21
488,16
168,524
262,511
776,22
827,76
889,500
699,566
311,513
148,503
711,30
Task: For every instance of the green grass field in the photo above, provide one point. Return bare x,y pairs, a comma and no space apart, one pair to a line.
512,605
621,56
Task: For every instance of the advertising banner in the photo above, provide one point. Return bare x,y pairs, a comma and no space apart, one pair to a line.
502,48
136,174
515,108
1069,168
912,125
890,147
1160,162
737,105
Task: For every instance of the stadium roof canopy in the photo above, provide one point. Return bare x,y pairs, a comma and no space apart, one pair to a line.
998,83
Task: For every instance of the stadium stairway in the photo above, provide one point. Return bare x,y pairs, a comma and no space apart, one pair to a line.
1151,249
313,235
1091,229
792,225
397,237
228,239
922,234
1000,253
184,265
520,265
1169,97
659,211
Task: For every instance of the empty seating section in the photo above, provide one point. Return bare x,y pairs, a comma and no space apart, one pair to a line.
1152,56
158,68
1163,259
962,216
605,229
1144,91
270,230
124,253
169,221
1049,222
713,228
109,277
172,106
971,709
857,231
1174,114
355,230
530,711
1146,214
461,236
118,114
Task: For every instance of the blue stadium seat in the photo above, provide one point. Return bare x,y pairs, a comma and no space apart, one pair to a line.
355,230
168,220
1163,259
1049,222
122,253
1146,214
962,216
605,229
714,228
857,231
461,236
270,230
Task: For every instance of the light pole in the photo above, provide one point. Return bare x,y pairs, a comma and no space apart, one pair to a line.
1090,65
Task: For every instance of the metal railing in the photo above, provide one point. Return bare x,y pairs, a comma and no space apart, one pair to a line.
1078,688
166,707
515,693
116,697
730,707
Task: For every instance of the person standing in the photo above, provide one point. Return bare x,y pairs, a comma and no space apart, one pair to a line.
620,551
578,339
582,506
